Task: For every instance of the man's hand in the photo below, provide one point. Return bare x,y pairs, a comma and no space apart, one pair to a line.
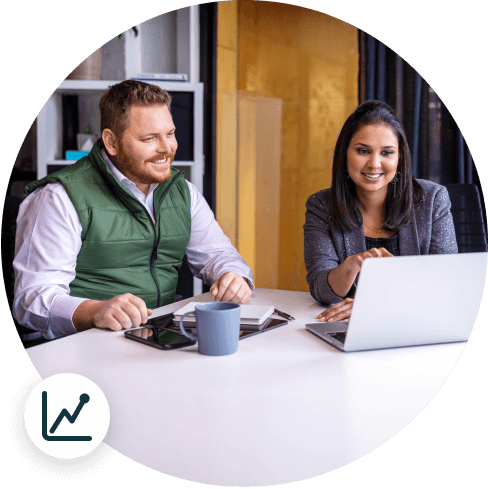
120,312
231,287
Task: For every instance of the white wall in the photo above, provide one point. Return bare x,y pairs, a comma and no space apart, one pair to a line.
159,43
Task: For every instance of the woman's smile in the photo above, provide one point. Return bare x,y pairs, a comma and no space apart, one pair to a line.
373,176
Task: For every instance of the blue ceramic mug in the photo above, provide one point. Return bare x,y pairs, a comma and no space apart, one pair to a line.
218,326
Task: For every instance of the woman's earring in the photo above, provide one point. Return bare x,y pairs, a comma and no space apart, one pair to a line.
393,181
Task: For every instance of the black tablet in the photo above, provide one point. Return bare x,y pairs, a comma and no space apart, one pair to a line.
163,333
271,324
160,333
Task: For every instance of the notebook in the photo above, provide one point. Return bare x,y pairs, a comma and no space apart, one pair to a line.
251,315
410,300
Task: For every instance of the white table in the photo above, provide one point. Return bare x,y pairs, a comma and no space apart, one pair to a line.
285,407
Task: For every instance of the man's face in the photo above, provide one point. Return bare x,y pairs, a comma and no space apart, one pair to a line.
147,148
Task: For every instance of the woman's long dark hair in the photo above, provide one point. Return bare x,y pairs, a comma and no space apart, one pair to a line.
344,207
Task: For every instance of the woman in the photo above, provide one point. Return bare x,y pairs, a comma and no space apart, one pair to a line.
374,208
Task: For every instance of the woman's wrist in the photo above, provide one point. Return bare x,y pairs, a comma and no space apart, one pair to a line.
342,277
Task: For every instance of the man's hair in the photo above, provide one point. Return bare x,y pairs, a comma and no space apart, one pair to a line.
115,104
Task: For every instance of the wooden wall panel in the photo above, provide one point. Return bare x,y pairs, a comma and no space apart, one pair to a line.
309,61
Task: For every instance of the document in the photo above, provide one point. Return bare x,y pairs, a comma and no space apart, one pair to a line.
250,314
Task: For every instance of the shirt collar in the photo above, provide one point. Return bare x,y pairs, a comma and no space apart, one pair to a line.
119,175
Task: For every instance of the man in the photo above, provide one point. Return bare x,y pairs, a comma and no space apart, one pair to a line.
99,243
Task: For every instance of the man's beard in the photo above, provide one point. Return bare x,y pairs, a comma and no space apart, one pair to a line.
132,169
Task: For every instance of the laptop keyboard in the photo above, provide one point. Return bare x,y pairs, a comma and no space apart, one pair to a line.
339,336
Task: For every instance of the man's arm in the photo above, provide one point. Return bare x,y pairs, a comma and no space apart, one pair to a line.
46,246
120,312
212,257
48,241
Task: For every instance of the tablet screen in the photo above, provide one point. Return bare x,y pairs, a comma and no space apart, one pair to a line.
273,323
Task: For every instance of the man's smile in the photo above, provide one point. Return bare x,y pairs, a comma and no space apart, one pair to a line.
161,160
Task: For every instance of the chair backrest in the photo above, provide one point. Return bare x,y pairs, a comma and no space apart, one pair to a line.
10,211
28,336
468,217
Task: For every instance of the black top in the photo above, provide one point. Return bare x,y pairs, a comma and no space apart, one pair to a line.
390,244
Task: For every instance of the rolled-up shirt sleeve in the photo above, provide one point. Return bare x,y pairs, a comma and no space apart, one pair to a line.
48,240
210,252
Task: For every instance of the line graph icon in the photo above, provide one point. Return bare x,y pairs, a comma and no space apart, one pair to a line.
84,398
71,411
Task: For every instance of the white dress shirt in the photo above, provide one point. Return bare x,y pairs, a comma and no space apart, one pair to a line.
48,241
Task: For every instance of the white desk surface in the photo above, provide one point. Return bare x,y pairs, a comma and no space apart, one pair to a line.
285,407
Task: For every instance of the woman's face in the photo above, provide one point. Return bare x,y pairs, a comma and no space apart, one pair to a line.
372,159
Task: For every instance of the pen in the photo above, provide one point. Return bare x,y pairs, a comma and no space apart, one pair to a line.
283,315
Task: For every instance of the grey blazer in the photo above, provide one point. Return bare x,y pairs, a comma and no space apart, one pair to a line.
326,245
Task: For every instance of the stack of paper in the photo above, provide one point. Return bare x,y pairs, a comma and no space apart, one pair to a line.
250,315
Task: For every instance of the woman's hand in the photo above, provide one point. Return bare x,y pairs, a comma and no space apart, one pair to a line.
342,277
356,261
337,312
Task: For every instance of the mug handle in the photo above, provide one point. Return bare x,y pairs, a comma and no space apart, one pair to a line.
182,328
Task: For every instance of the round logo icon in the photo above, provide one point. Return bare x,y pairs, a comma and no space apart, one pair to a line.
67,416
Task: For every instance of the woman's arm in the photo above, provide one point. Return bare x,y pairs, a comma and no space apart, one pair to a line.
443,236
319,250
329,279
342,277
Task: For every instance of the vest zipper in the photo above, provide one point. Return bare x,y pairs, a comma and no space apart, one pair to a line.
154,253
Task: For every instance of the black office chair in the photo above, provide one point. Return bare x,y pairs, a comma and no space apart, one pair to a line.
28,336
468,217
184,287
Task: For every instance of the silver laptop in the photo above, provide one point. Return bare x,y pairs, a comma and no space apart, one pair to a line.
410,300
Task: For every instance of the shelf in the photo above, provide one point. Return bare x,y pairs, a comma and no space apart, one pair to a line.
50,123
76,87
70,162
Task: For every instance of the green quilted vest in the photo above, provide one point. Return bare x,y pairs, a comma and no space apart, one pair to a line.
122,251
